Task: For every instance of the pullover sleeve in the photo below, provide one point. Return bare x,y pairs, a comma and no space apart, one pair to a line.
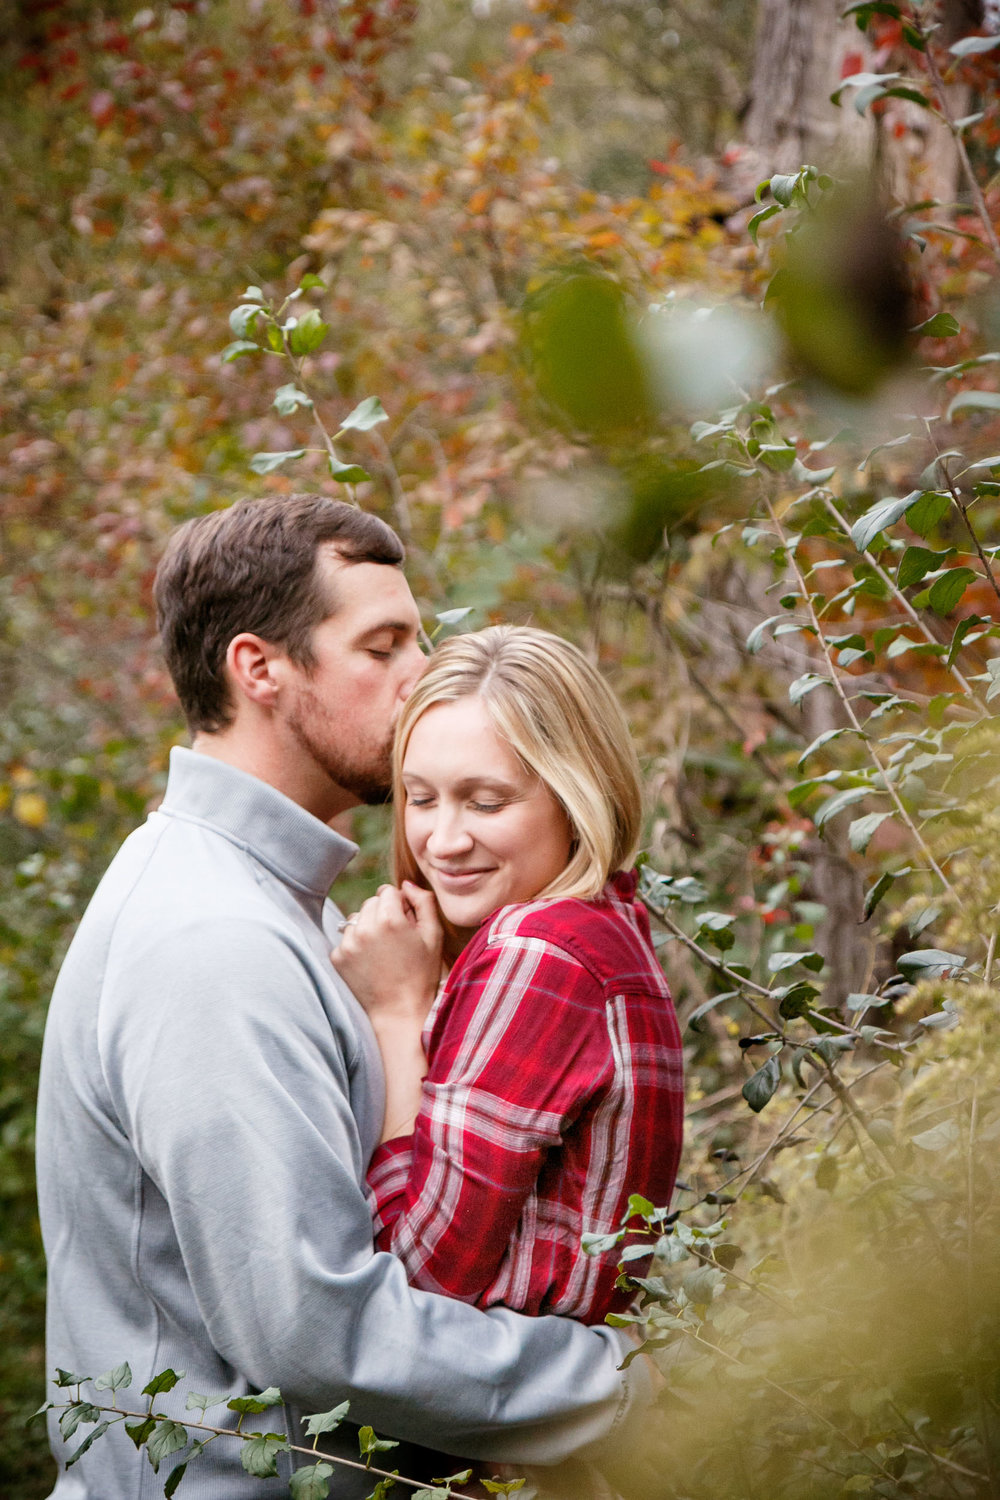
234,1087
518,1049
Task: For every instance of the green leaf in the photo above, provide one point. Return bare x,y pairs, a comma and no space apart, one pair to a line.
875,894
266,463
368,1443
308,333
349,474
459,1478
496,1487
755,639
925,513
761,217
936,1139
783,186
695,1017
941,326
242,319
42,1411
863,1002
311,281
253,294
454,616
237,349
165,1381
796,999
827,1172
787,960
946,592
599,1244
385,1484
65,1377
139,1431
818,743
805,684
836,804
288,398
73,1416
993,668
196,1402
762,1085
252,1405
368,414
259,1453
326,1421
778,457
173,1480
929,963
312,1483
90,1439
973,401
878,517
637,1204
169,1437
273,335
862,830
917,562
969,45
118,1379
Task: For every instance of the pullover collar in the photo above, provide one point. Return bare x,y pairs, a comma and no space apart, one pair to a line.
295,846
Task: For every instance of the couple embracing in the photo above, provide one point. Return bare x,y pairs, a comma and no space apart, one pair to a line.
234,1124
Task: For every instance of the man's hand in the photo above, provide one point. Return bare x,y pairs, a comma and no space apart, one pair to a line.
390,954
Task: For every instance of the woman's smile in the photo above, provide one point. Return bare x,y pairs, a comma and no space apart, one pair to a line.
484,830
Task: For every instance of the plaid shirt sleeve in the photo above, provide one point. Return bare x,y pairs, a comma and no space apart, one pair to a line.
520,1043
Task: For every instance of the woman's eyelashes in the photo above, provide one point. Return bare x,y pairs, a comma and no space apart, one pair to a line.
424,799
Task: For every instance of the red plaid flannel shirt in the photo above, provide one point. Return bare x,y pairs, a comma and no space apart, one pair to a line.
553,1091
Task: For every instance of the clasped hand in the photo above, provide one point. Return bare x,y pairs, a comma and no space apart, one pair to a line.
390,953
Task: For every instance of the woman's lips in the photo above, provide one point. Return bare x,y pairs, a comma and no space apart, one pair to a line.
459,880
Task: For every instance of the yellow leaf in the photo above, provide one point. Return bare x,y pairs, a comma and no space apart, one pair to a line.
31,809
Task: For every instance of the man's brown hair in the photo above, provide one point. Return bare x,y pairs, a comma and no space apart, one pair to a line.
253,567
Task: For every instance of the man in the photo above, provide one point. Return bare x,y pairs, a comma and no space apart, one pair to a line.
211,1092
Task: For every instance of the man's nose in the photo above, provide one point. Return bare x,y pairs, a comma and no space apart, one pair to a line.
413,665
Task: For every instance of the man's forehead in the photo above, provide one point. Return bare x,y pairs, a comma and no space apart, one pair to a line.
368,594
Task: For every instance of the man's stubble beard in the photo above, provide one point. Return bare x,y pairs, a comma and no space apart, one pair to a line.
313,728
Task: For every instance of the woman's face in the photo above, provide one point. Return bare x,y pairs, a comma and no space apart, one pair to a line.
484,830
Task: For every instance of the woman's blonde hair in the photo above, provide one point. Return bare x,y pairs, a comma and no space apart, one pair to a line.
557,713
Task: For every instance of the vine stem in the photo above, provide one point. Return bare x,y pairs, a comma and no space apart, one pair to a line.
945,111
963,511
716,964
839,689
314,1453
907,608
791,1396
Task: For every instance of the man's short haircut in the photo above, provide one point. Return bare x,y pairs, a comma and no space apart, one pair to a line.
253,567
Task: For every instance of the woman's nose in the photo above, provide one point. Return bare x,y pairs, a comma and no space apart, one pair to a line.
448,835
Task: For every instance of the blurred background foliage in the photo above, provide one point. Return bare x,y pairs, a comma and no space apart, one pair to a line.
732,426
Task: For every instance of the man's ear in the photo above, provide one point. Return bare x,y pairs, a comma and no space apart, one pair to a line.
250,666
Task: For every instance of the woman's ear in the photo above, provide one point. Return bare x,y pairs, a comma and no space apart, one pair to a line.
250,664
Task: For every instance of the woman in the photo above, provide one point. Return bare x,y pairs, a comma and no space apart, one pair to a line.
553,1066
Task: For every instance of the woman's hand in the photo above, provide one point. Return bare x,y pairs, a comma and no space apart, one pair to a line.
390,953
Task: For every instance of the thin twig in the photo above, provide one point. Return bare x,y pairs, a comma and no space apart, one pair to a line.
945,111
839,689
313,1453
907,608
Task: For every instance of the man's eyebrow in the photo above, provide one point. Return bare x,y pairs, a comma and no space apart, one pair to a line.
397,627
